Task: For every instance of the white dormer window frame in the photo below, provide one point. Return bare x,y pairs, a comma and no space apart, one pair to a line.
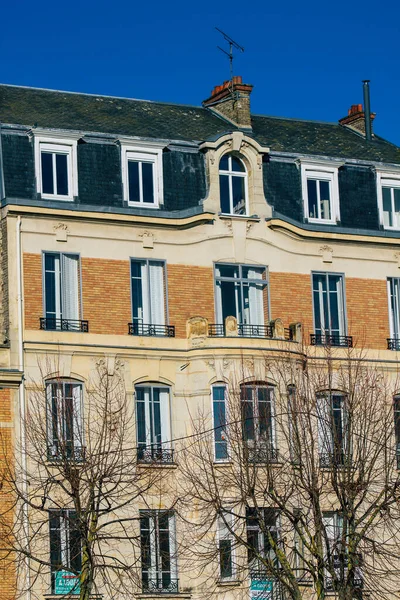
388,192
53,147
145,159
325,176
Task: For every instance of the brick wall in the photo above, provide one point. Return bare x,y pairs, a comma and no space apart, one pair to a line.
7,567
33,299
367,312
190,294
106,295
291,300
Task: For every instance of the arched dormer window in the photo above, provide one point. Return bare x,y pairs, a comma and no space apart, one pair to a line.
233,186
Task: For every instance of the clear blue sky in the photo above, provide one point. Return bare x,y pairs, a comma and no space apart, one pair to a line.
305,59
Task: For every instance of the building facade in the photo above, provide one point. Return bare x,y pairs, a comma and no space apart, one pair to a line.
186,245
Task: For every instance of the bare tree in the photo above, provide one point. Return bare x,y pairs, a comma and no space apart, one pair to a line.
83,486
295,478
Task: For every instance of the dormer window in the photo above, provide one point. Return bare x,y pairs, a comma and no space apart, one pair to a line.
56,168
320,193
233,186
142,176
389,199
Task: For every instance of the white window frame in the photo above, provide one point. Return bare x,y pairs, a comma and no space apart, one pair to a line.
57,145
230,174
149,154
258,441
156,564
165,423
322,172
389,179
224,385
60,289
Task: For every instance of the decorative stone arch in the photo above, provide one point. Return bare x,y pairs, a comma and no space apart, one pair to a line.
250,152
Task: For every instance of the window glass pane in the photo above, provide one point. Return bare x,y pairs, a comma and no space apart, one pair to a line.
219,412
238,193
337,402
237,165
335,303
50,285
324,196
253,272
156,433
396,407
224,193
387,207
137,291
47,173
148,182
312,198
133,181
62,174
248,420
227,271
224,163
230,299
396,216
225,558
395,305
320,303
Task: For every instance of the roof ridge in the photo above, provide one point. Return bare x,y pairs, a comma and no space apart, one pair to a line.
28,87
296,119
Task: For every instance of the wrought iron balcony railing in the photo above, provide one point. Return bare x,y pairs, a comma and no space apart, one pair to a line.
216,330
393,343
340,566
262,331
262,453
155,454
336,458
163,584
51,324
65,451
149,329
327,339
265,586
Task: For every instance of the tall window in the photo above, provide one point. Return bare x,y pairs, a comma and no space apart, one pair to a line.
153,424
294,426
148,298
158,552
241,292
262,534
64,421
329,310
332,429
56,169
65,552
396,410
393,284
391,206
233,185
219,392
226,545
258,421
320,193
142,176
61,292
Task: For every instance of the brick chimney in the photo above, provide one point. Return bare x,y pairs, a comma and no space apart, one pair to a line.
356,118
232,101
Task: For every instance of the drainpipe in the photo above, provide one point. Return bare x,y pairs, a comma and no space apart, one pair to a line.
367,110
22,411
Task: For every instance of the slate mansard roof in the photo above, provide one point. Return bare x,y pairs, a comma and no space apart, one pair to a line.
122,116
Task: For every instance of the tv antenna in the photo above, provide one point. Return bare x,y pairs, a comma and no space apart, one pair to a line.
232,45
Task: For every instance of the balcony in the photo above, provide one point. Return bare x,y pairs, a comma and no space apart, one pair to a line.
327,339
163,584
52,324
340,566
393,343
231,327
262,453
155,454
149,329
57,452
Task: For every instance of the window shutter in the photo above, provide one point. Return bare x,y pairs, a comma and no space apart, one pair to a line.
156,274
325,439
165,417
256,299
77,428
70,287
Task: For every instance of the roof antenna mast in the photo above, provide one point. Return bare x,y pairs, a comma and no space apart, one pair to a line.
232,45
